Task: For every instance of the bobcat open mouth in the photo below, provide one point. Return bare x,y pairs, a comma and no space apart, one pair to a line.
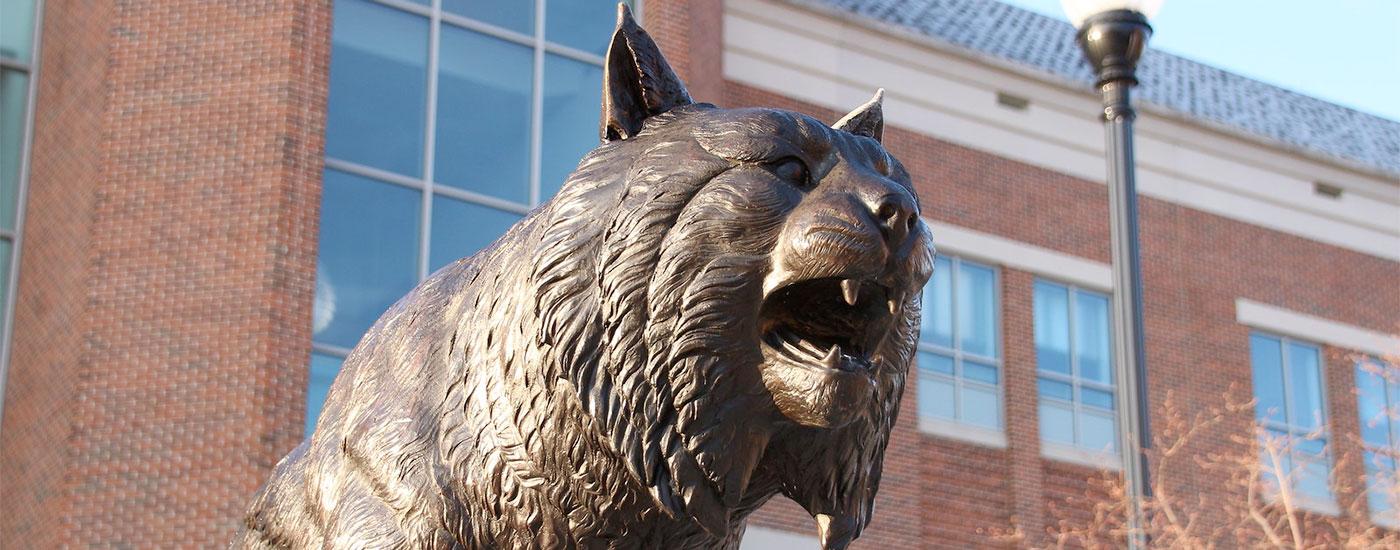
828,323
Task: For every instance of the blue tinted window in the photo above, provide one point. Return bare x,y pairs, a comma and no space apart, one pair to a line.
378,87
937,323
1288,390
1074,357
483,115
1306,383
1051,304
962,355
1092,339
977,326
515,15
17,29
323,370
936,397
1266,357
461,228
572,93
14,97
582,24
368,253
505,112
1378,403
936,362
1056,423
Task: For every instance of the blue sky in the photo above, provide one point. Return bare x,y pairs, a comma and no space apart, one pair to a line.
1343,51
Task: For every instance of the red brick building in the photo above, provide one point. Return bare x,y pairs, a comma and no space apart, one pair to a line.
205,204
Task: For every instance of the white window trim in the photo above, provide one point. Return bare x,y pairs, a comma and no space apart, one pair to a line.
996,250
962,431
1074,454
767,538
1310,328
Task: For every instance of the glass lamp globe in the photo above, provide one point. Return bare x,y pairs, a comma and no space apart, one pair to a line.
1079,10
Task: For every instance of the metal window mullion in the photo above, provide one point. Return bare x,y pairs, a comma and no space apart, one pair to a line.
480,199
382,176
410,7
488,29
1287,379
956,264
1070,314
425,229
330,349
572,53
537,105
15,64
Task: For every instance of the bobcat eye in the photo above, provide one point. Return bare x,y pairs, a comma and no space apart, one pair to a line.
793,170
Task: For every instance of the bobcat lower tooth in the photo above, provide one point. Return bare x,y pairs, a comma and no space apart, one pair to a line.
850,290
833,356
892,305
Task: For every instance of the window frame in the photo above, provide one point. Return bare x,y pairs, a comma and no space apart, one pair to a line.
956,427
1077,452
1321,504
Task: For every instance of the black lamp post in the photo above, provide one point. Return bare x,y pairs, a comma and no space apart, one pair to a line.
1113,34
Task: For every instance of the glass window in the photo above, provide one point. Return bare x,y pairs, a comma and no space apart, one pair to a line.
960,382
1378,403
461,228
483,115
581,24
515,15
368,253
378,87
17,29
14,97
572,94
1288,390
434,149
1074,359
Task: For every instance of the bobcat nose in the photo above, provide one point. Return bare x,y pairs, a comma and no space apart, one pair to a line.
895,214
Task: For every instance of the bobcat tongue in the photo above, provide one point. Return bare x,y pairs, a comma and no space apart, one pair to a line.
835,532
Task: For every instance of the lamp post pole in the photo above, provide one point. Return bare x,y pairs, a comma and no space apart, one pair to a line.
1112,42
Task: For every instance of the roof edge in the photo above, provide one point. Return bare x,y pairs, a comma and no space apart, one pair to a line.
1073,86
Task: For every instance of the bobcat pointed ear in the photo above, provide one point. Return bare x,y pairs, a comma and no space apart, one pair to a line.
637,81
867,120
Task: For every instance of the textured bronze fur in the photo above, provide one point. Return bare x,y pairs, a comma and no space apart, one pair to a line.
610,373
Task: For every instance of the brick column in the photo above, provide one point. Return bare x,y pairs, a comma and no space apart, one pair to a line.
47,338
1022,418
1344,420
183,316
691,34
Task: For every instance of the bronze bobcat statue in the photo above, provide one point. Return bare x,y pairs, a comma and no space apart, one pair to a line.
719,306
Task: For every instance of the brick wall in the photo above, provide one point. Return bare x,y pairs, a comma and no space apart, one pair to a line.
164,304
